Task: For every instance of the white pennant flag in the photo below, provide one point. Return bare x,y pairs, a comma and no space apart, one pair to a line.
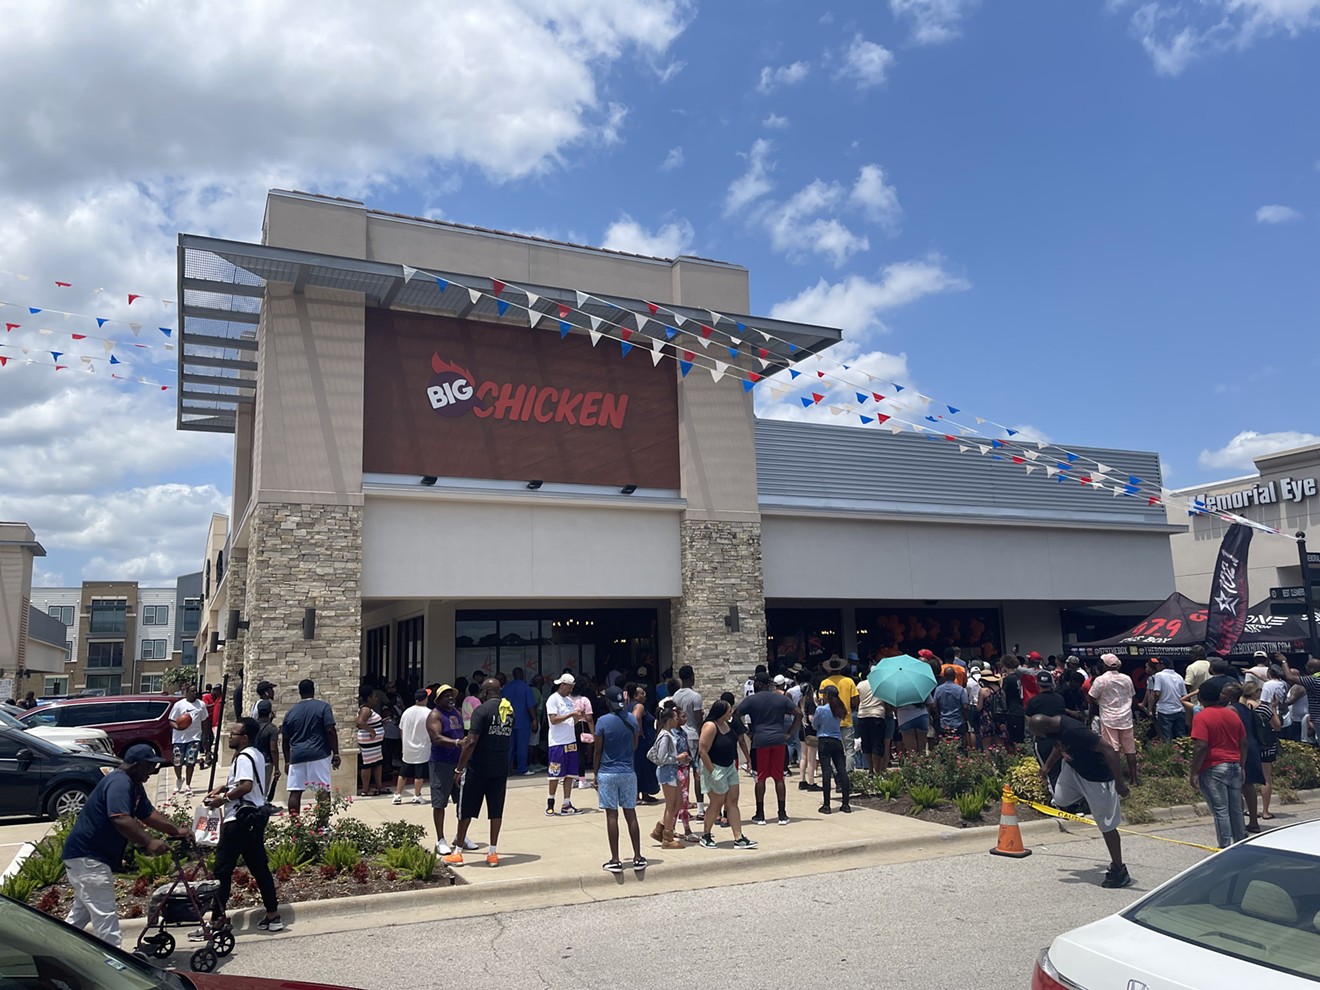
109,345
582,298
764,363
963,448
1101,469
869,377
679,320
1050,472
703,342
596,321
408,273
1118,490
764,336
1031,455
1031,468
777,392
836,410
657,350
735,341
966,430
85,359
532,299
1042,444
641,322
979,420
595,337
714,316
167,302
474,295
896,430
533,318
169,347
918,428
983,448
1099,477
44,331
717,372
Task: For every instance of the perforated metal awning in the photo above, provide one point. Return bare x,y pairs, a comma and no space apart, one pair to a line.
222,283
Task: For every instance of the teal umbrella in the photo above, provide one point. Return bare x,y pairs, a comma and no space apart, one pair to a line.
902,681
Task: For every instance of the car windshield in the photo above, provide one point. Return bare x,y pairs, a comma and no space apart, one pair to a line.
39,716
40,953
1251,902
9,720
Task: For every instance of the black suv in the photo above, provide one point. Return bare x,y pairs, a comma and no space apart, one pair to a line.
38,778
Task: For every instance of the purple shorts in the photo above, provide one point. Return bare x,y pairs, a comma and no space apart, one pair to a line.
563,761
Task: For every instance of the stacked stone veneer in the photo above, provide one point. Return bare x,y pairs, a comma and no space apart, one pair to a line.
235,598
722,566
305,556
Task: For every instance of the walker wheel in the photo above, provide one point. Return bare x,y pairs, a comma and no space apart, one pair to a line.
162,945
204,960
224,943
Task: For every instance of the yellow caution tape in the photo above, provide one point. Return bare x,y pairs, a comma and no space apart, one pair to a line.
1045,809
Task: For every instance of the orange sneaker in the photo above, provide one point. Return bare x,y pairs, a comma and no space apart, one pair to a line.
492,859
455,858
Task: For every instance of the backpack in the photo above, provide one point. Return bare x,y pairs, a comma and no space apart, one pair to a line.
998,703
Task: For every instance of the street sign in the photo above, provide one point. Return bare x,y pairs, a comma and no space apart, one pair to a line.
1297,593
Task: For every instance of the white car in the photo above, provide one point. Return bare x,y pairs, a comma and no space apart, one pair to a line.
82,739
1246,917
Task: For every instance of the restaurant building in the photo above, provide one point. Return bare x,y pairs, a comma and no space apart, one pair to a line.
460,449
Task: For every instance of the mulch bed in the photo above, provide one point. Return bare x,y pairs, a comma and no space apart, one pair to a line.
306,884
946,813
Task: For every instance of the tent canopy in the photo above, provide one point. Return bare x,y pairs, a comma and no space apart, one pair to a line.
1178,623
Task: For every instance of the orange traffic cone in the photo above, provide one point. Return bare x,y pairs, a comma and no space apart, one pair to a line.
1010,836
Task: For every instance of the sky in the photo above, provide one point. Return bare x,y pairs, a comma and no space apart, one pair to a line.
1093,220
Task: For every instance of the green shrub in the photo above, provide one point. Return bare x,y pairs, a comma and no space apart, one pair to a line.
45,869
155,867
341,855
19,886
1297,766
970,805
889,786
1023,779
1171,759
400,834
949,769
923,797
414,861
359,834
290,854
297,831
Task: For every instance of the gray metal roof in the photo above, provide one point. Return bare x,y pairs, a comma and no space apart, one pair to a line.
221,285
816,467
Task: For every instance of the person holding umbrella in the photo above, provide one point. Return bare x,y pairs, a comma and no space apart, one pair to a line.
906,683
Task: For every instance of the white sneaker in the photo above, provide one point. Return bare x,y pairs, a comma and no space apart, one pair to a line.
418,799
469,845
398,799
443,848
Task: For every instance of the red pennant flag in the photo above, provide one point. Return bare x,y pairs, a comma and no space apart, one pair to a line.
877,396
164,388
949,438
131,297
1019,460
752,376
816,396
762,352
78,336
881,419
564,311
3,360
1152,501
60,367
11,327
63,285
625,333
820,374
706,331
497,286
653,308
688,355
1085,479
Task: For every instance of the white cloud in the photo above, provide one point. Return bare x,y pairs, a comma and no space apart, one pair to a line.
668,241
673,160
1243,449
1277,214
856,304
669,71
933,21
785,75
866,63
796,225
1028,432
876,197
1175,33
753,183
775,122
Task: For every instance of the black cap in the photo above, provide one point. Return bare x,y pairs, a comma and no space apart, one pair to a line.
1044,677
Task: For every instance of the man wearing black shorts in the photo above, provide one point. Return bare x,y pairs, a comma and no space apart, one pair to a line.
1014,696
483,768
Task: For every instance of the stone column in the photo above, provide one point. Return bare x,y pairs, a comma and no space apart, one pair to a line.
235,598
721,563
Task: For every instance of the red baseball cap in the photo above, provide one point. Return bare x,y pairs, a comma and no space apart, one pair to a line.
1033,655
925,654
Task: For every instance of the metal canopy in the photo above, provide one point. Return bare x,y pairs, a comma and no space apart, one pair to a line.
221,285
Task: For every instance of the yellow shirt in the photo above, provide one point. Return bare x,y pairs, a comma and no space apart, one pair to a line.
847,692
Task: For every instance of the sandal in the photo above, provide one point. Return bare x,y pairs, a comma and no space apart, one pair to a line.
1253,829
1267,816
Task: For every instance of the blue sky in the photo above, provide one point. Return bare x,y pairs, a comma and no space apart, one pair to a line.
1096,220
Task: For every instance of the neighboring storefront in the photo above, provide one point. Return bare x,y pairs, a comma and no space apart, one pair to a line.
461,450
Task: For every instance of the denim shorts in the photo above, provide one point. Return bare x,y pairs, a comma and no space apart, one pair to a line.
667,775
616,790
919,724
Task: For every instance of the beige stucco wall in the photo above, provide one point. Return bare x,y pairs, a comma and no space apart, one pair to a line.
15,590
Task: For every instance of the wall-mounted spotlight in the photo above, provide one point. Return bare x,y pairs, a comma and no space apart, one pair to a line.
430,480
627,489
534,485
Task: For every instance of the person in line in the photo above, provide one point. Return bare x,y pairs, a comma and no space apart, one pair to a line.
483,771
242,829
268,745
1220,742
616,779
1112,694
1050,702
1164,691
585,727
689,702
1244,699
444,727
870,724
719,774
950,701
1090,772
265,692
29,701
187,717
370,737
810,747
470,703
525,724
668,757
1269,731
562,716
914,726
648,787
766,711
686,770
415,767
836,674
208,735
311,746
114,815
1013,700
827,721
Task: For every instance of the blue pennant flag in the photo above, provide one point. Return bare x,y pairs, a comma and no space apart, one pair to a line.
685,367
502,306
806,402
741,326
733,353
115,360
441,284
996,443
1011,433
33,310
625,347
1197,509
748,385
1059,479
952,410
932,419
670,333
867,419
56,354
793,373
1062,466
792,348
1071,457
862,397
564,327
1133,480
102,321
166,331
897,387
847,367
1130,489
995,457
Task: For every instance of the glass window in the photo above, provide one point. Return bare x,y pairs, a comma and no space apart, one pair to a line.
189,654
40,951
105,655
68,650
155,615
107,616
192,616
153,649
412,648
61,613
55,686
152,684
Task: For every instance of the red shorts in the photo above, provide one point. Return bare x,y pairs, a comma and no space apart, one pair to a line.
770,762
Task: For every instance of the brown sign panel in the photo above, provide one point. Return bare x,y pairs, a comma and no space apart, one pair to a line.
469,399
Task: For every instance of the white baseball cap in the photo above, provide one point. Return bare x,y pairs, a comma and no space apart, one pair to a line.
565,679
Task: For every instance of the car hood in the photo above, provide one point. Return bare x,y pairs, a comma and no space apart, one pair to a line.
64,737
1107,954
222,981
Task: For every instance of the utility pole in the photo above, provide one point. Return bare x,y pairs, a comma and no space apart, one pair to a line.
1313,646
